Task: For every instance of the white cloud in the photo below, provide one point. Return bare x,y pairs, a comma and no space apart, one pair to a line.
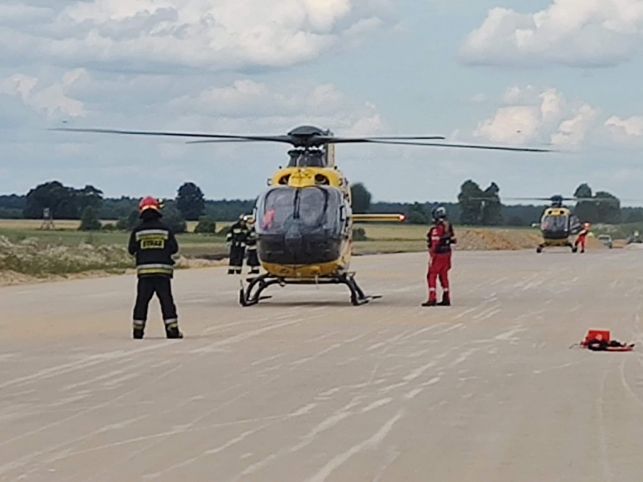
245,104
533,116
572,131
631,127
570,32
211,34
50,99
511,125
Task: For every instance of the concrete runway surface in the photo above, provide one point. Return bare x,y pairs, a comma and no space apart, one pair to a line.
306,387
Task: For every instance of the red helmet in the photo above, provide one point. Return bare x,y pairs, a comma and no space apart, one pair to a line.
149,202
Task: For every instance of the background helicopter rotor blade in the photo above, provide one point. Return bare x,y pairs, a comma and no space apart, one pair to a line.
562,198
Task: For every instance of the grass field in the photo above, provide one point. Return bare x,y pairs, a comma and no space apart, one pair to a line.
382,238
27,251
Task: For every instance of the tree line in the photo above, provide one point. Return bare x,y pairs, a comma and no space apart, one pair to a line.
475,206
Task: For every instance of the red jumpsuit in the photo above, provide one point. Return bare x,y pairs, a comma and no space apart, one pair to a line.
439,240
580,240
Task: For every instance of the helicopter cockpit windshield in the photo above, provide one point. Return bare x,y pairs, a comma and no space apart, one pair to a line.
300,224
555,225
313,210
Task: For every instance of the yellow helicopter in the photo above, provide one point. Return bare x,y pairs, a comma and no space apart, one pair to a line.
304,220
558,222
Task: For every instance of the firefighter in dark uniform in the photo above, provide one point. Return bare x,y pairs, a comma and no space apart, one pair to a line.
251,247
153,244
236,240
439,240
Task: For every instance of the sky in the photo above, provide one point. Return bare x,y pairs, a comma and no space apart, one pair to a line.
559,74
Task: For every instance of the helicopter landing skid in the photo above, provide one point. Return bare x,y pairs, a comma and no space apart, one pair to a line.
542,246
251,294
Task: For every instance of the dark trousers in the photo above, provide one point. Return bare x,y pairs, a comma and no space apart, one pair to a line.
253,259
147,287
237,253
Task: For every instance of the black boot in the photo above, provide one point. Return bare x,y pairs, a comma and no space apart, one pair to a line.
230,271
173,333
446,300
430,303
137,333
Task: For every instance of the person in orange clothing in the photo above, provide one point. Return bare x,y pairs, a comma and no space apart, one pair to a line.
581,238
439,240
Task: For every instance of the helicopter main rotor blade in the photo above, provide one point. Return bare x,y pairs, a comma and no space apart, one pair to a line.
537,198
302,141
217,137
456,146
315,141
358,140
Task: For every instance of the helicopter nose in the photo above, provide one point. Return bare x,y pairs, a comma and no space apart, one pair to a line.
293,238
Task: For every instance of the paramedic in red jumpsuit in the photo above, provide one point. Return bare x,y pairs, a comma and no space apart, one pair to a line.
439,240
580,240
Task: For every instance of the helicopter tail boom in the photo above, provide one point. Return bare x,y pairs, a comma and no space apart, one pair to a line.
379,218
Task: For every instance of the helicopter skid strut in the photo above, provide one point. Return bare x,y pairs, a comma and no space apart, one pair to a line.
251,294
542,246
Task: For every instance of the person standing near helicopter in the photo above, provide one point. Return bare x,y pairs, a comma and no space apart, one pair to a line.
439,240
153,244
251,247
237,238
582,237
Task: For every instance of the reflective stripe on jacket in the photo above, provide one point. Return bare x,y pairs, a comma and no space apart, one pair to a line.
153,244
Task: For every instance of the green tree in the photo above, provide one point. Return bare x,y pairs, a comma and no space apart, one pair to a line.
583,191
608,208
174,219
63,202
491,214
206,226
585,210
129,222
51,195
359,234
190,201
89,196
360,198
470,200
417,214
89,220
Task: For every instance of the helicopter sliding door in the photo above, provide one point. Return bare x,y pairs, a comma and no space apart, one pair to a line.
300,225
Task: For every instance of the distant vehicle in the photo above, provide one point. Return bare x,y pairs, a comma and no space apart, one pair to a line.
606,239
635,237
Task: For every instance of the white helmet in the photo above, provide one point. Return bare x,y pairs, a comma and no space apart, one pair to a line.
439,212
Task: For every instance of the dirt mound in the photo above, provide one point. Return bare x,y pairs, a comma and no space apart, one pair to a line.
474,239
